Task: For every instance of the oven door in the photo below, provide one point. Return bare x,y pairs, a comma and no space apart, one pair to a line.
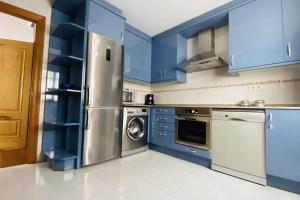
193,131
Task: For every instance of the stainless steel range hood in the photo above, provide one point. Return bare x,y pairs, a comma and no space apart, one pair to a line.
206,57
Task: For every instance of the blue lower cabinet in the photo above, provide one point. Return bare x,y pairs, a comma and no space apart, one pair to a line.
193,151
164,126
163,119
162,138
283,149
164,111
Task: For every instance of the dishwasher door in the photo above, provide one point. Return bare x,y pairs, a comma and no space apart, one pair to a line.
238,144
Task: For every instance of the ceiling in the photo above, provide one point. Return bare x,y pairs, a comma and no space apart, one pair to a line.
156,16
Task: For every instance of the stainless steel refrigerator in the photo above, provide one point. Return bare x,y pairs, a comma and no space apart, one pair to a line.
102,100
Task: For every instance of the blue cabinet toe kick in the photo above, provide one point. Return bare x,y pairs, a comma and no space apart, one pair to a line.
181,155
284,184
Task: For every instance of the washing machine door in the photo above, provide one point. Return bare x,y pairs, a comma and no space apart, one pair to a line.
136,128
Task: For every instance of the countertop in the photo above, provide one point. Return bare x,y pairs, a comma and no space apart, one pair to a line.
221,106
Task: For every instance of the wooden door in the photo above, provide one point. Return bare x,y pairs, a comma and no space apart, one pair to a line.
15,81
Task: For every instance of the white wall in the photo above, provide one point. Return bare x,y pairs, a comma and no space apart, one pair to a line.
14,28
42,7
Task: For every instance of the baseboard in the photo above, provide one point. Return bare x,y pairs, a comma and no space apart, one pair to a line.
284,184
181,155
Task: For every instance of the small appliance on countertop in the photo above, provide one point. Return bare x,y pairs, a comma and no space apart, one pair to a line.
149,99
135,130
128,97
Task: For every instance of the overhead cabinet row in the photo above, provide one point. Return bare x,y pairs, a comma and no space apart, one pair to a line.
264,33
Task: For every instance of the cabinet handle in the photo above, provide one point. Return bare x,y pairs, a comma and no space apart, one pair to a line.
191,151
122,38
163,134
87,95
289,49
271,121
161,73
232,60
87,119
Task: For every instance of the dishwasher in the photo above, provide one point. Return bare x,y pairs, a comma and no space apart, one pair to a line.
238,144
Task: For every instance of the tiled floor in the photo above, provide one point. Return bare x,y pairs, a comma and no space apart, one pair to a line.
145,176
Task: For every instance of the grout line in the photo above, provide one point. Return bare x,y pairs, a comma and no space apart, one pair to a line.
278,81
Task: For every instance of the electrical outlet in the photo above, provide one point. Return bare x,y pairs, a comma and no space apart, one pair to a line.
255,87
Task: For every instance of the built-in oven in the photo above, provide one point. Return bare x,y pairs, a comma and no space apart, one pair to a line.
193,127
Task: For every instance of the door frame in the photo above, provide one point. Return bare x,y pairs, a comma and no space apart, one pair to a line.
37,64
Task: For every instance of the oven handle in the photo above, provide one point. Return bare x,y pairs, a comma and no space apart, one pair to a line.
199,119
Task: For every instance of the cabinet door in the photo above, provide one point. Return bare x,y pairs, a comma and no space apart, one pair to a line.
145,59
256,36
137,63
283,144
164,59
291,24
106,23
162,138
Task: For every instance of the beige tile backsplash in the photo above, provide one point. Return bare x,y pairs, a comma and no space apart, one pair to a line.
275,86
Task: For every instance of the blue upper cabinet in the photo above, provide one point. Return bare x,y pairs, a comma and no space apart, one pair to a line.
291,25
167,54
283,149
137,56
106,20
256,36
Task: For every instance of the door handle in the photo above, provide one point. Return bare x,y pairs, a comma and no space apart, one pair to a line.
87,95
191,151
87,120
232,60
289,49
270,126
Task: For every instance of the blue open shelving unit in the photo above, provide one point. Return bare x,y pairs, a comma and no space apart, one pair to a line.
63,119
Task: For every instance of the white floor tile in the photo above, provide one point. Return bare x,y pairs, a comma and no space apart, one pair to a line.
145,176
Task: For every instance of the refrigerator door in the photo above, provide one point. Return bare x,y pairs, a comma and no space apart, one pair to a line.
104,73
101,135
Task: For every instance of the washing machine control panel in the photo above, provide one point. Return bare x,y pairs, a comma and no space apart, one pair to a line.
137,111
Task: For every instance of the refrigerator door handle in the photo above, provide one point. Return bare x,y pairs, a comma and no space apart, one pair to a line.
87,120
87,95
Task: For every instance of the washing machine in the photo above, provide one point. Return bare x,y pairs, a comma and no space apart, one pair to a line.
135,130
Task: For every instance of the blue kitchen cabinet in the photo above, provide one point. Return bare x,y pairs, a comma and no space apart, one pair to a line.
256,35
106,20
291,25
167,54
163,127
283,149
137,55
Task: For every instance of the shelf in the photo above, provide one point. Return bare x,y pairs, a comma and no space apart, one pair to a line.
67,6
62,123
59,154
62,91
65,60
67,31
